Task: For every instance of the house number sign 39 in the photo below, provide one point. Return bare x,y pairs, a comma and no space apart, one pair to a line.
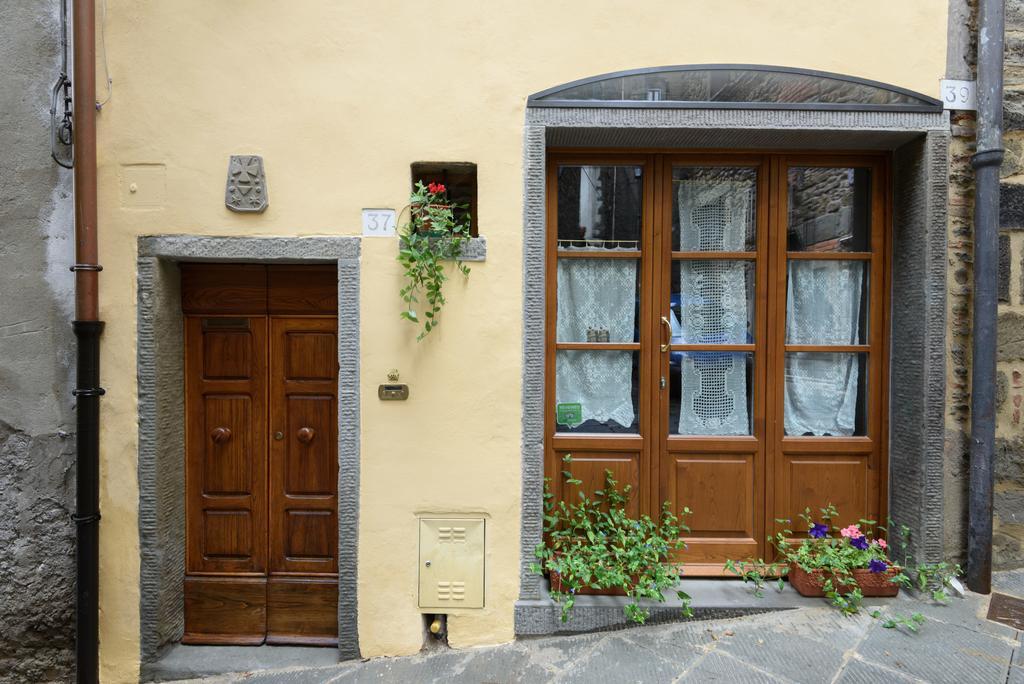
959,94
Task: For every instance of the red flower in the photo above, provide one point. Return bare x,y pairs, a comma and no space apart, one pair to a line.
436,188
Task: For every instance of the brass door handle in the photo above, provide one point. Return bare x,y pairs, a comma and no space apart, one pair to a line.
665,345
220,435
305,435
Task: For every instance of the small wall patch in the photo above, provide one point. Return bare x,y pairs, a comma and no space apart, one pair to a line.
247,184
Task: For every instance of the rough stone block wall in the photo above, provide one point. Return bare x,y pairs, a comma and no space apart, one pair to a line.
37,589
1008,536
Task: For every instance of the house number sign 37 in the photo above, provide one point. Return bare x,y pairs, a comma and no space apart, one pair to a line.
959,94
378,222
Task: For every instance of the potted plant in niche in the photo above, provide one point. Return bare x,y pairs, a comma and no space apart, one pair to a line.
595,547
433,234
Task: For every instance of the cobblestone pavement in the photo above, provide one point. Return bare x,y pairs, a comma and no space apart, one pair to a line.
956,644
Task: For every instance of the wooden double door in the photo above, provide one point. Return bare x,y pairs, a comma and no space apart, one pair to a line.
716,337
261,457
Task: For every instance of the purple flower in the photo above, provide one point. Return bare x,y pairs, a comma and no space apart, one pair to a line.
875,565
859,543
819,530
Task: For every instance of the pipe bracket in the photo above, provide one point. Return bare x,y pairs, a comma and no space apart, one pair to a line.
86,519
86,267
990,157
88,392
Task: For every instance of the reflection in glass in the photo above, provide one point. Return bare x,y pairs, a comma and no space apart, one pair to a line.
596,391
735,85
827,302
599,207
712,302
826,394
714,209
598,300
710,393
829,209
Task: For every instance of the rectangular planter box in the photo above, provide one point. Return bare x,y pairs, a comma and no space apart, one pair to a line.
870,583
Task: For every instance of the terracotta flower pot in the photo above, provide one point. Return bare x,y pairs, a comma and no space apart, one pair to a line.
426,225
870,583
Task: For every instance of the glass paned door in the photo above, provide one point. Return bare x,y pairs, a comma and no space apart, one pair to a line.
598,365
713,289
827,444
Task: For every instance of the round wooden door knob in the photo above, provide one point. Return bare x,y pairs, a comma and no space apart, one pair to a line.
306,435
220,435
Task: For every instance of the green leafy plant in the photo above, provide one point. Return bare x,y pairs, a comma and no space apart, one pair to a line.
432,235
835,557
757,572
932,579
913,623
593,543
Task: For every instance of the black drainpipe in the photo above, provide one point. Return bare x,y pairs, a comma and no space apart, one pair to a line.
986,163
87,509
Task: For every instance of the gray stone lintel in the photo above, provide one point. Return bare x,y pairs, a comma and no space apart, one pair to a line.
161,420
917,386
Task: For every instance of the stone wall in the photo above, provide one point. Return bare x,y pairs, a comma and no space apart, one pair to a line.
1008,538
1008,535
37,595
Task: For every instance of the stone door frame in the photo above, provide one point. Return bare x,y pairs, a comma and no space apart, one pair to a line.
161,470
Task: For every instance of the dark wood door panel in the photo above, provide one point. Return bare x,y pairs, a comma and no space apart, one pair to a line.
224,289
227,353
310,355
227,461
296,290
228,535
304,451
311,459
302,611
226,454
225,610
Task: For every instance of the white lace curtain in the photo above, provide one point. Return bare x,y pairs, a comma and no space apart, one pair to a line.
824,302
596,295
713,216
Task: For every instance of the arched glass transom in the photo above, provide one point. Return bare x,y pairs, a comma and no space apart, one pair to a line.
734,86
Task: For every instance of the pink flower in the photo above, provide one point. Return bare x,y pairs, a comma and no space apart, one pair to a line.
881,542
853,532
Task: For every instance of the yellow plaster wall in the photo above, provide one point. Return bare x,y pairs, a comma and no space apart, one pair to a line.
339,98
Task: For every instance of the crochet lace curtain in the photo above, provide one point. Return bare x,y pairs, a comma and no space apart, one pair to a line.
713,216
824,302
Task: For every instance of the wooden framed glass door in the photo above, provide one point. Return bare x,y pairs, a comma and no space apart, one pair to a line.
716,337
829,366
599,321
713,292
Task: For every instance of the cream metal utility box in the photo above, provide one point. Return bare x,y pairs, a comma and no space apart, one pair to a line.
451,563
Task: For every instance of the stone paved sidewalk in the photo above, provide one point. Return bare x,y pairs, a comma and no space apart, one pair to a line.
956,644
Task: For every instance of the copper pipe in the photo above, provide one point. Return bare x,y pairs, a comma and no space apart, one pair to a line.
84,84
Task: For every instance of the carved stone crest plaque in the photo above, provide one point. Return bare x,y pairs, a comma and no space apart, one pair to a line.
247,184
